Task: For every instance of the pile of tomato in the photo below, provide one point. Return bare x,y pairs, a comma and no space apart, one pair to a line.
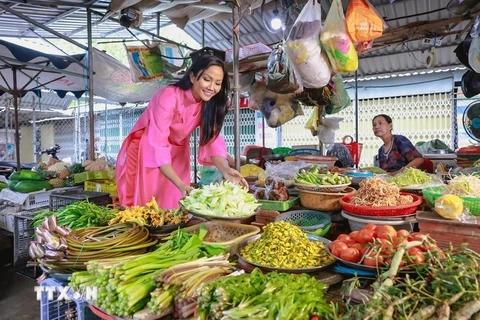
375,246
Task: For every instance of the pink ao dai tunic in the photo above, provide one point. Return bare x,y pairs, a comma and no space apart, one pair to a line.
162,136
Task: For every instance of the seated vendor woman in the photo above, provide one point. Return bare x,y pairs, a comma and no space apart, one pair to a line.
397,152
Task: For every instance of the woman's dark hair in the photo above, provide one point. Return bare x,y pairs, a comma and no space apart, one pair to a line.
214,110
387,118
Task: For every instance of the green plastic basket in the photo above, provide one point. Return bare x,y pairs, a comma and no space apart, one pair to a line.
282,150
433,193
307,220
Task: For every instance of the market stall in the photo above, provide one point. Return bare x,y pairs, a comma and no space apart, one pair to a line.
278,250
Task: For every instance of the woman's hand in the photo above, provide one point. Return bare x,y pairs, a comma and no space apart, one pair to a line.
236,177
185,189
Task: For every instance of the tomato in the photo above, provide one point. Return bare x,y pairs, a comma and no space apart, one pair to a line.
357,246
386,232
351,255
386,247
344,237
400,240
388,261
353,234
416,236
314,317
403,233
373,261
336,247
413,251
370,226
364,250
418,258
366,235
351,242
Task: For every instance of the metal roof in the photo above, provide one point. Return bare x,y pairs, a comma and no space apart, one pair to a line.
69,18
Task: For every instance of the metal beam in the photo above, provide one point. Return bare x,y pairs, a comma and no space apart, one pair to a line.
153,35
91,104
259,32
67,4
28,19
104,35
57,18
236,83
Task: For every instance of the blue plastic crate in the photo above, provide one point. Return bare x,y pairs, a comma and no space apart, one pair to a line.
63,310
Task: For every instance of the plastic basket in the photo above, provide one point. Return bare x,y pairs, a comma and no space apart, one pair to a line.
225,234
433,193
278,205
402,210
63,198
307,220
282,150
53,309
323,201
23,234
298,152
108,186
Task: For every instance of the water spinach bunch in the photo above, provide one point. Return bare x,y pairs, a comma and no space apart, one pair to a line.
257,296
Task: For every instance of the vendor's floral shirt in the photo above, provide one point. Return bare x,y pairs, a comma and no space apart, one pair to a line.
400,154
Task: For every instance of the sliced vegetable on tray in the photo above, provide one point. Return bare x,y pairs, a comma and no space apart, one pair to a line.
217,200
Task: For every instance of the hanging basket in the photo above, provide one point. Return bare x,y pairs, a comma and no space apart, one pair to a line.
354,148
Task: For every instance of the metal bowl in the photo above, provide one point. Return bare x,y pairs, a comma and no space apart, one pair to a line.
311,237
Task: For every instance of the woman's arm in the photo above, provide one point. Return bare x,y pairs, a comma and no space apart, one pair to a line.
168,171
228,173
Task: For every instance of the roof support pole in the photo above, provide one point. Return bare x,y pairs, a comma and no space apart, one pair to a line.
195,135
35,23
91,118
236,82
17,129
356,107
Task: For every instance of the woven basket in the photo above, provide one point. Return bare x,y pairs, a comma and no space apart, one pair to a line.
322,188
323,201
225,234
433,193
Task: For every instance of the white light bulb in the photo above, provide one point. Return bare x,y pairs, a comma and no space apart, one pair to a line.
276,23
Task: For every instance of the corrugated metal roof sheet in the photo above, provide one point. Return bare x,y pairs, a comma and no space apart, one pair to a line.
70,20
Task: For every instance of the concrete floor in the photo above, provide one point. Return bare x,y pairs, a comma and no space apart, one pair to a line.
17,297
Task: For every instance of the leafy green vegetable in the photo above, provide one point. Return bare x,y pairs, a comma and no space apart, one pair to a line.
410,176
224,199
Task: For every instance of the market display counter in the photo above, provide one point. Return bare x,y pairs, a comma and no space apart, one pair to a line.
447,232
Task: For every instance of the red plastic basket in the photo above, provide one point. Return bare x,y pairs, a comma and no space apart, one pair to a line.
402,210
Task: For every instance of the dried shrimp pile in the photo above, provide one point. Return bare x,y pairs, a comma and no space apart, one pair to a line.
378,193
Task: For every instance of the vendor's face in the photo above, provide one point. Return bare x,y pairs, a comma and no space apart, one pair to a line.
381,127
208,84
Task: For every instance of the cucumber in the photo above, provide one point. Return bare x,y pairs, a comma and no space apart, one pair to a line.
31,186
15,176
30,175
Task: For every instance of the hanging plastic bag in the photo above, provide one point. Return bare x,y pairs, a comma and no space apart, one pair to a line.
146,63
336,41
280,109
303,48
326,131
280,78
474,54
314,121
258,93
363,22
340,98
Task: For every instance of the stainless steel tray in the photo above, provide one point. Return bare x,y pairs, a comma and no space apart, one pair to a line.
242,244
